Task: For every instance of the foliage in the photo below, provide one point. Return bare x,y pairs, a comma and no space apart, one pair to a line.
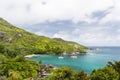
15,41
115,65
66,73
19,68
110,72
107,73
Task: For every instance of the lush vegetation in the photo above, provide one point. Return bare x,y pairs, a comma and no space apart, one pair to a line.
18,68
66,73
15,43
110,72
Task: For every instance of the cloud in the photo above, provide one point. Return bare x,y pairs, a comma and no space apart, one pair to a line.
87,34
92,35
90,22
101,14
34,11
114,15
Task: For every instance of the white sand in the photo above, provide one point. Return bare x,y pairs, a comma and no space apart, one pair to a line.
32,55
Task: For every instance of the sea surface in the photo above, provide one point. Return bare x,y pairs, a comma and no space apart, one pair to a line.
94,59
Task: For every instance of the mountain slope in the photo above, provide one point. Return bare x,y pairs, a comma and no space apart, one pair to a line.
15,41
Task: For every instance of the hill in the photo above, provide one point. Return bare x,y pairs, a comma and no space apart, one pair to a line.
15,41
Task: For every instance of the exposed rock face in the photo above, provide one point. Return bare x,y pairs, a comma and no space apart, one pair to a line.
19,35
2,34
44,71
9,40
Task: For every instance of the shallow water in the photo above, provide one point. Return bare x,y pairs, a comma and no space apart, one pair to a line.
93,60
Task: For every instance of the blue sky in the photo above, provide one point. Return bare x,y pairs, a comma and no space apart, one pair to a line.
89,22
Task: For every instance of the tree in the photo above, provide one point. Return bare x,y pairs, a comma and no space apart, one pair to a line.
63,73
2,58
14,75
107,73
19,67
115,65
66,73
1,48
80,76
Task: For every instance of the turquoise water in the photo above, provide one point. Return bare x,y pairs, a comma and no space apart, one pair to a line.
93,60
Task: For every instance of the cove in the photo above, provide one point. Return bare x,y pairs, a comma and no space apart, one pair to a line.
94,59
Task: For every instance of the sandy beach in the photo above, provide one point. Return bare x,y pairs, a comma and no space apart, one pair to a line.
32,55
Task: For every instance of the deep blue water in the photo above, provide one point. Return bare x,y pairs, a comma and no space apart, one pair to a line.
93,60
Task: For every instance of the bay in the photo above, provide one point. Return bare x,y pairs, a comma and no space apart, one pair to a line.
94,59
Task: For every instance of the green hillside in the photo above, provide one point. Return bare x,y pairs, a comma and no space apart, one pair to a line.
15,41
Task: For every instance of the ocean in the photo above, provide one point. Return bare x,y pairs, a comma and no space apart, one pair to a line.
94,59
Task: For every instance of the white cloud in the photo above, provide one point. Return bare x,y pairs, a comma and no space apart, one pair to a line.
28,12
33,11
114,15
92,35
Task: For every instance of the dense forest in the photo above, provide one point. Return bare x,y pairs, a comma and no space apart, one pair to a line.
15,43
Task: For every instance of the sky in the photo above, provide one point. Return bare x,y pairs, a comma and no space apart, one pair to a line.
88,22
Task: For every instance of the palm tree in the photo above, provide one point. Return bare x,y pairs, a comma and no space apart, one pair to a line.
14,75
